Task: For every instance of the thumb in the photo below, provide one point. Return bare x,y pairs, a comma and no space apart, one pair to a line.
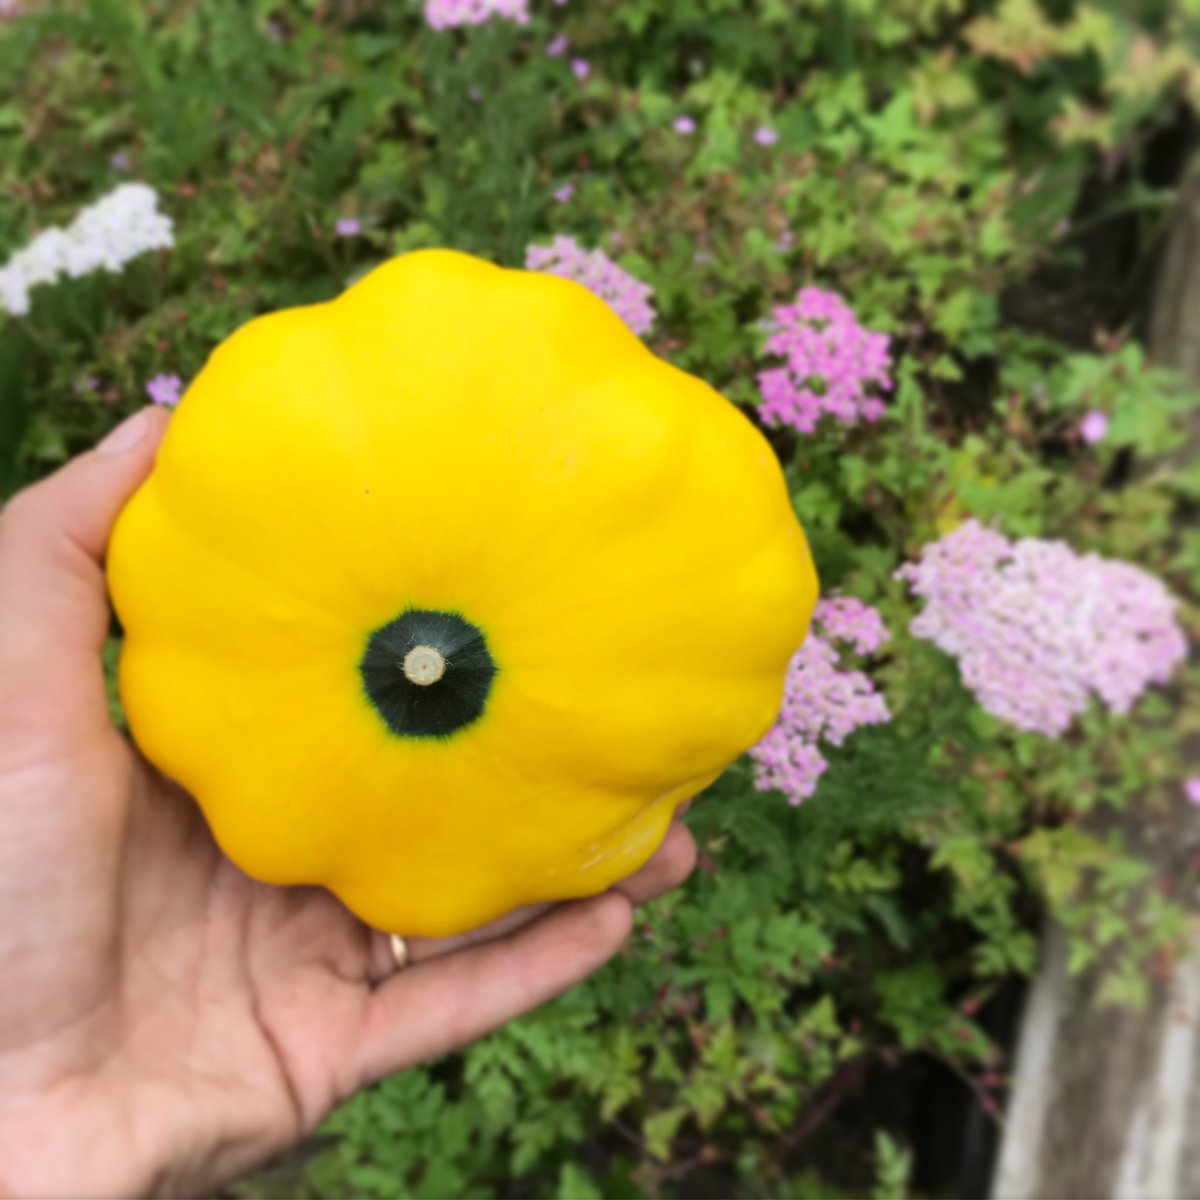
53,536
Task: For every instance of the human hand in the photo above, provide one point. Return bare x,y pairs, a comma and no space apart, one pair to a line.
167,1023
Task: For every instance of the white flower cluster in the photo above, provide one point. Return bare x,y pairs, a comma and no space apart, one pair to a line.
105,236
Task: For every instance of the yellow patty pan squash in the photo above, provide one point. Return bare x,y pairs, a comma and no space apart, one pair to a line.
447,593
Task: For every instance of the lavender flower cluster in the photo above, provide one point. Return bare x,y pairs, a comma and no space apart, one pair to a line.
449,14
628,297
104,236
1038,629
831,364
821,702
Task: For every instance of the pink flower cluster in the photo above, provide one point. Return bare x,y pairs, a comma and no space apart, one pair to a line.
1037,628
821,703
831,363
628,297
449,14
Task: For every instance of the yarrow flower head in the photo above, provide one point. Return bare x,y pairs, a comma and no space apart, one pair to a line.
832,365
628,297
450,14
821,702
105,236
1039,629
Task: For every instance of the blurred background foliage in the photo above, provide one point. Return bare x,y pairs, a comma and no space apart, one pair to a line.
827,1008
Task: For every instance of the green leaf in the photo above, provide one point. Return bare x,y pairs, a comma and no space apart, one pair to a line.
660,1128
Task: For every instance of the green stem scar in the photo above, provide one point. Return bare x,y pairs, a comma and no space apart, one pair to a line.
427,673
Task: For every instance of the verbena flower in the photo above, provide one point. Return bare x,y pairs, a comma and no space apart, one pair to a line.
1191,789
105,236
627,296
1039,629
348,227
449,14
581,68
832,365
564,193
164,389
684,125
821,702
558,46
764,135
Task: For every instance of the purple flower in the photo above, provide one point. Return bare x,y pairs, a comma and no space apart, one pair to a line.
164,389
628,297
1191,789
564,193
1039,629
684,125
581,68
821,702
348,227
119,161
1094,427
832,365
558,46
764,135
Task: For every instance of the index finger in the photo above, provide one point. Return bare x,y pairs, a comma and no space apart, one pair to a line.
434,1007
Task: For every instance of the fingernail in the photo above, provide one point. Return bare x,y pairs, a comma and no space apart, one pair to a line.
125,436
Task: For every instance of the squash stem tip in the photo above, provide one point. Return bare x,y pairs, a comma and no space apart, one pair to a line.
424,665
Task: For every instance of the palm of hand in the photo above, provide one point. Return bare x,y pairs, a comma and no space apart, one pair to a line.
188,1011
166,1021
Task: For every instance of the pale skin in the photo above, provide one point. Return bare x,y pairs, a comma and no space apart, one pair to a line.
166,1023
